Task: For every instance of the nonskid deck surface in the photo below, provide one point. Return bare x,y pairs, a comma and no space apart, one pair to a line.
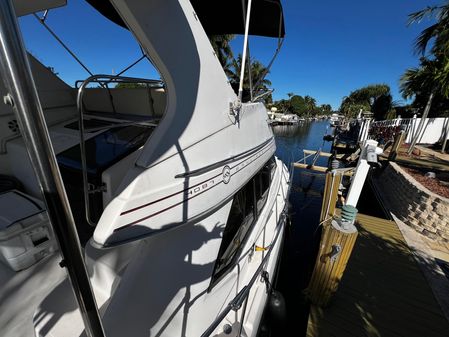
21,292
383,292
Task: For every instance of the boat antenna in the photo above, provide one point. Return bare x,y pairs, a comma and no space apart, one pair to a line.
245,47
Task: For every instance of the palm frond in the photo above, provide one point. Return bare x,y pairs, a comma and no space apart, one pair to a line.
441,44
423,39
408,84
418,16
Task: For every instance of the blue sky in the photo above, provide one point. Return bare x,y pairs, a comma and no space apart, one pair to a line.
331,47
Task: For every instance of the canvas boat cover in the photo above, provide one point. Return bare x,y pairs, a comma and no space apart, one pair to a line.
223,17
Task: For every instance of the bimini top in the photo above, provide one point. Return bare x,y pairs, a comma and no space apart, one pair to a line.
223,17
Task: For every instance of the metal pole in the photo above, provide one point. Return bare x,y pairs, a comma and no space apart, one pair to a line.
242,317
22,96
42,21
245,46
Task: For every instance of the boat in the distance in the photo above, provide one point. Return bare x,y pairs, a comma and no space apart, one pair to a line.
179,202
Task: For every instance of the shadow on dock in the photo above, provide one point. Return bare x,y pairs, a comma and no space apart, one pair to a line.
383,292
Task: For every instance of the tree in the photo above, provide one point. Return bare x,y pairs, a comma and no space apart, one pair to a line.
129,85
259,82
438,32
302,106
419,83
325,109
298,105
223,50
310,103
232,66
383,107
431,79
429,83
375,98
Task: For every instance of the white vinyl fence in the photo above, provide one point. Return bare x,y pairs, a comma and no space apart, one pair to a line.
433,132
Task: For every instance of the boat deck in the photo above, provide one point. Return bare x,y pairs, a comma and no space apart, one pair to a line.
383,292
21,292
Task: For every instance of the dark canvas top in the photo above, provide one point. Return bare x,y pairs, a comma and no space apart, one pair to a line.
223,17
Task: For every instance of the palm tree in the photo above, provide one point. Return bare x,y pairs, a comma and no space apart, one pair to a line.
376,98
223,50
439,31
326,109
310,104
431,80
351,107
258,72
426,78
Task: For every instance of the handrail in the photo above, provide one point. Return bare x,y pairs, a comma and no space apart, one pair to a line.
236,303
104,79
100,78
393,122
22,95
269,91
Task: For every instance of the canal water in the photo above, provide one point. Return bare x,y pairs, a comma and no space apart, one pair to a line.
303,234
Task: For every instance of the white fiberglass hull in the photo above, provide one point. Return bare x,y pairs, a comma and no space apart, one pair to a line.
163,288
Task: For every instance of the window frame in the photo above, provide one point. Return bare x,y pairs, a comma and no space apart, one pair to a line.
216,277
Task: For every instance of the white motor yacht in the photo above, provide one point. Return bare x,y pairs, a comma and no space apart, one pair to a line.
170,214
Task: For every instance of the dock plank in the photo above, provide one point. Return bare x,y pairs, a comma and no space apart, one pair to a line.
383,291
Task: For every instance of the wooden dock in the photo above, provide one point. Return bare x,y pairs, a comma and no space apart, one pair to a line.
383,292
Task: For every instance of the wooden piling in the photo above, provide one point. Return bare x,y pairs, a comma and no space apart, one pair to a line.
330,195
335,247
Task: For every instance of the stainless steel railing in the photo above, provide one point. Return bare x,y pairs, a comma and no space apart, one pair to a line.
105,80
242,297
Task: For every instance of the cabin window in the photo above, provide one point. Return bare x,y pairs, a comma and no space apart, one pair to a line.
240,219
262,182
246,206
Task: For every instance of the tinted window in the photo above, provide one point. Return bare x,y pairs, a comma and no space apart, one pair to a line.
263,181
242,216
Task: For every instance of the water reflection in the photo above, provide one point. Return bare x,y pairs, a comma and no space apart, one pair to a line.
289,131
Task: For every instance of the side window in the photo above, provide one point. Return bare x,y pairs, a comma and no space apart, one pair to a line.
246,205
241,218
263,182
